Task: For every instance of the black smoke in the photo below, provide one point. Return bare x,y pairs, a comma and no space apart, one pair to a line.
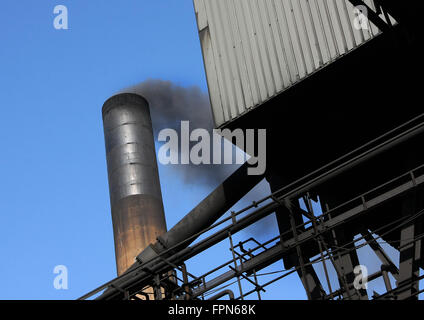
169,105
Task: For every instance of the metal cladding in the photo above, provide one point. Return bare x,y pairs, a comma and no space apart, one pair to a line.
253,50
135,195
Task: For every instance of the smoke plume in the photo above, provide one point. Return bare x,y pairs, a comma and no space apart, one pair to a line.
169,105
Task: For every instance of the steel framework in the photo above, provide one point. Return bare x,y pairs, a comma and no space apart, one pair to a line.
320,233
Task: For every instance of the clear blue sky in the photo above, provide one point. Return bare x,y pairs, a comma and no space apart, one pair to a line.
54,206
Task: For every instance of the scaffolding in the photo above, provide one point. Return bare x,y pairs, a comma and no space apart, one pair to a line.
170,278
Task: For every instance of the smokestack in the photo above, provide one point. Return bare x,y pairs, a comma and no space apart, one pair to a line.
135,195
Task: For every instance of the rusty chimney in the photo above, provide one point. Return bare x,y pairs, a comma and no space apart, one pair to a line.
135,195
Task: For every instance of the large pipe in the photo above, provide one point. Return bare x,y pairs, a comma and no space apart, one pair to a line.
204,214
135,195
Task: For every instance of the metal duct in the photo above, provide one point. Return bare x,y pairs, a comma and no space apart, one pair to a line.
208,211
135,195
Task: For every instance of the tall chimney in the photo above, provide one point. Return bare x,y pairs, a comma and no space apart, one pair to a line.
135,195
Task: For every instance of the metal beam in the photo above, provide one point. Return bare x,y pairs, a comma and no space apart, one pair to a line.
346,262
381,254
372,16
409,251
137,278
275,253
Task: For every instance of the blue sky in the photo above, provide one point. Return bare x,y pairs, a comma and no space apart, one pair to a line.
54,206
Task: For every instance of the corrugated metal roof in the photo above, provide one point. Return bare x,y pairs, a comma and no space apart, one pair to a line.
255,49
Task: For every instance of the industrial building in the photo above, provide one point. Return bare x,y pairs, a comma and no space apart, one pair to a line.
332,82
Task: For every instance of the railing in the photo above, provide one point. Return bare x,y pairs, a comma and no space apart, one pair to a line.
266,253
242,265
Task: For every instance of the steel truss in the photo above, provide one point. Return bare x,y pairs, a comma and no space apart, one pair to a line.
318,240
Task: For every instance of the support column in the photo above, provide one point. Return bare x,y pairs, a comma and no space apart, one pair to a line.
409,251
